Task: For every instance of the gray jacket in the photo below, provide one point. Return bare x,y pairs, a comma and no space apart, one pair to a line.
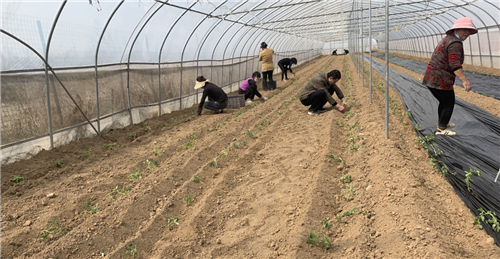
320,82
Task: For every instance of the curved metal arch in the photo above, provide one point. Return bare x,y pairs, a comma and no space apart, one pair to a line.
243,34
224,33
47,48
96,57
187,41
161,50
130,53
53,73
487,32
206,37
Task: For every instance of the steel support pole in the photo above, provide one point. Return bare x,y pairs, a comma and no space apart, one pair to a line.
96,58
370,39
51,134
387,69
362,53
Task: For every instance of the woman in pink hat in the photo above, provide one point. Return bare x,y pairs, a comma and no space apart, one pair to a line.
446,64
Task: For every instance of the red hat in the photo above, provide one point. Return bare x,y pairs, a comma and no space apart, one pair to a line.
463,23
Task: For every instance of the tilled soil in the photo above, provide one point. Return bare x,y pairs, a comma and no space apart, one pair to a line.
260,179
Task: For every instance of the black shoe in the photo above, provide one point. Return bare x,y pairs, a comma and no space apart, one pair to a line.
321,110
221,111
311,112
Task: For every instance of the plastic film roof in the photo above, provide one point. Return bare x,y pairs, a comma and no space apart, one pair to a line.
147,31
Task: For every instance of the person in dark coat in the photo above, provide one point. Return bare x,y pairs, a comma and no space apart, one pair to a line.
217,98
346,51
285,65
249,88
334,53
446,64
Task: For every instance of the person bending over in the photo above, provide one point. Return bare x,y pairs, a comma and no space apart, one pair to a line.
217,98
319,90
249,88
285,65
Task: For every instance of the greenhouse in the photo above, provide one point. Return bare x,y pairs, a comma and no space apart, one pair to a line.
332,129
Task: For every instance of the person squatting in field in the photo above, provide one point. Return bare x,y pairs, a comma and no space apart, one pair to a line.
217,98
249,88
319,90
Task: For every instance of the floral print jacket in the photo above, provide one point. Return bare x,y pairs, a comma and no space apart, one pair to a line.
447,57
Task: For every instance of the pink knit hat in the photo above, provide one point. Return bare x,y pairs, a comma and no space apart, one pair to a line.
463,23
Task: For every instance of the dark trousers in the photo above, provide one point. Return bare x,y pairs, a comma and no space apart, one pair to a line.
213,105
250,93
267,75
283,71
316,100
446,99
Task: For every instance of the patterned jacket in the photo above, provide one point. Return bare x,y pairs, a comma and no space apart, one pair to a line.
447,57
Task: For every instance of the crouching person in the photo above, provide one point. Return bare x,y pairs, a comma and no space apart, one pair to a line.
217,98
319,90
249,88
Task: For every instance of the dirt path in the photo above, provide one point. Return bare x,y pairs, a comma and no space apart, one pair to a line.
272,182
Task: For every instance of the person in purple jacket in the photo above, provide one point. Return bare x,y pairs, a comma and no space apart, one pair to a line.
249,88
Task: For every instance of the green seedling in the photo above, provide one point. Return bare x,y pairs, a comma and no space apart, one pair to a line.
132,135
52,228
259,127
135,176
109,145
237,144
150,164
348,190
196,179
59,164
468,180
213,163
184,146
265,122
116,191
352,103
132,249
17,179
349,114
352,126
340,123
172,222
251,134
89,209
492,220
191,136
320,237
188,199
193,111
166,124
354,147
146,127
347,214
174,119
87,154
336,159
345,178
156,150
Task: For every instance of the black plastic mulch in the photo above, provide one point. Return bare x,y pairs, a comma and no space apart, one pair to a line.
484,84
476,146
